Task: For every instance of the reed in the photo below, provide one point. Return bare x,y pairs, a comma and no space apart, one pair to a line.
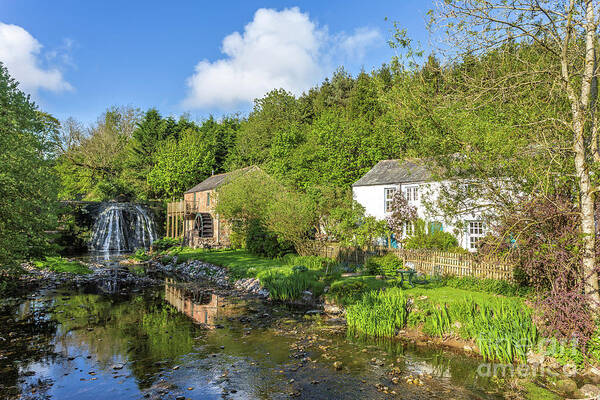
288,284
378,314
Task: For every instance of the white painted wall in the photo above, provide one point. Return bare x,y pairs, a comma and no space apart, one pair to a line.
372,198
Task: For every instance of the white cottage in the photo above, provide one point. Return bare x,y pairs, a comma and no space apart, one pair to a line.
374,191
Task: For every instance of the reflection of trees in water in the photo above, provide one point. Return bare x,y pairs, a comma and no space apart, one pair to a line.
27,335
141,330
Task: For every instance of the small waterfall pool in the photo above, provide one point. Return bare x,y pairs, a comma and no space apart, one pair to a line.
122,227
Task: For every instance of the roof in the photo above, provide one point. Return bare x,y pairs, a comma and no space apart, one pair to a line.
215,181
395,172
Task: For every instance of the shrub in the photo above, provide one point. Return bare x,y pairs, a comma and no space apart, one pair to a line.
548,253
384,265
347,292
141,255
438,240
495,286
165,243
264,243
379,313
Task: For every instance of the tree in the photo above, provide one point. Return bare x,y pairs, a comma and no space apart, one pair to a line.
27,183
275,112
402,213
92,161
563,37
181,164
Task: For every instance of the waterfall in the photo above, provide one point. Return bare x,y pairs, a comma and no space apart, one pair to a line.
122,227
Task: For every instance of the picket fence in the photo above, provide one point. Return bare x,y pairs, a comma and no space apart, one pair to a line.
429,262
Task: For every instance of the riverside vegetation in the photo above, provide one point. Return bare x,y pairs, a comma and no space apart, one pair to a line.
490,316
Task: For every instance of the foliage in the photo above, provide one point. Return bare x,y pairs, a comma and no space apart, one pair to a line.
543,239
503,328
180,164
288,283
92,161
379,313
270,217
495,286
431,240
347,292
141,255
165,243
401,213
388,265
140,156
60,264
265,243
28,187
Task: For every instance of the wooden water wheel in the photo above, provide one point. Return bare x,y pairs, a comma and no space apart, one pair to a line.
203,224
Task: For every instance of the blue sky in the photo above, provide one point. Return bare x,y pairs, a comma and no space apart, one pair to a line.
77,57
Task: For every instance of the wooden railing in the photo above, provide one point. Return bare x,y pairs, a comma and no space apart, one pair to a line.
427,262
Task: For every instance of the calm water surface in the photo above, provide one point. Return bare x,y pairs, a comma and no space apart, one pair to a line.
186,340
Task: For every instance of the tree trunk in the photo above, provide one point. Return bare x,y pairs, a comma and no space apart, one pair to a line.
588,221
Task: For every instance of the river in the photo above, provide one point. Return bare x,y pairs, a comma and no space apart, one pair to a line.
192,341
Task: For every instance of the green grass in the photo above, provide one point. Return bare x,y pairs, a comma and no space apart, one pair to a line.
285,278
379,313
287,283
240,263
502,327
349,290
59,264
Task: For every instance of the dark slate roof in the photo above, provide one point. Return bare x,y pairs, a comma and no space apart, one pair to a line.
215,181
394,172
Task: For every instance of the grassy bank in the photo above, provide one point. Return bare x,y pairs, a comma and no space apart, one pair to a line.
285,278
60,264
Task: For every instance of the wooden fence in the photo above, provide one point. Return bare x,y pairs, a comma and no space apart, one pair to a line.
428,262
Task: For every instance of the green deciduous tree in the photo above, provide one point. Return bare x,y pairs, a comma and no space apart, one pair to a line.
27,183
547,45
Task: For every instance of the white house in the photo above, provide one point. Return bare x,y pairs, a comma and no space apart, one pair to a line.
374,191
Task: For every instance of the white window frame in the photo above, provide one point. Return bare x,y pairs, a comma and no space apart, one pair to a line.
409,228
475,231
387,200
411,193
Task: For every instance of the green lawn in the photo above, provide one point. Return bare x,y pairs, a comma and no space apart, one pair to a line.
240,263
285,278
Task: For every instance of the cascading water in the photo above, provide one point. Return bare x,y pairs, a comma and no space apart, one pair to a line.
122,227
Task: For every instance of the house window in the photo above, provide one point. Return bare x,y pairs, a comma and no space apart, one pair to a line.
411,193
208,199
409,228
476,230
389,196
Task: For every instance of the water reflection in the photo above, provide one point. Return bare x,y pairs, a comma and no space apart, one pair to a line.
158,341
203,307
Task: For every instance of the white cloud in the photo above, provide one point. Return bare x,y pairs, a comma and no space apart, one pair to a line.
278,49
356,45
20,52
